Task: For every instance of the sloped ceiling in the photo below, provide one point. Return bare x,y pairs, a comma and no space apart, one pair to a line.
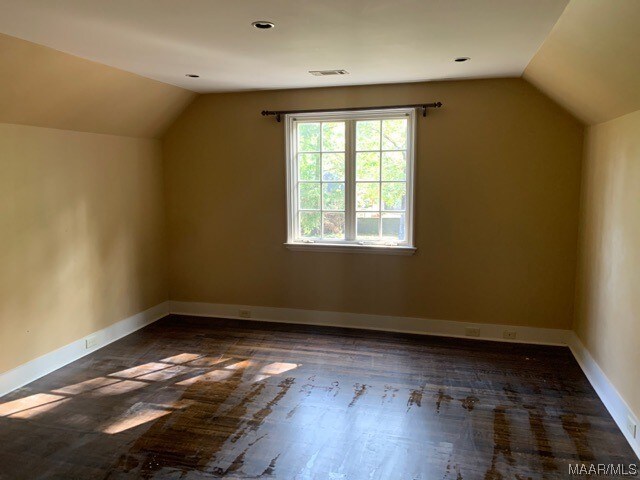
43,87
590,62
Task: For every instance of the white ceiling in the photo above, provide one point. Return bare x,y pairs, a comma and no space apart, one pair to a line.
377,41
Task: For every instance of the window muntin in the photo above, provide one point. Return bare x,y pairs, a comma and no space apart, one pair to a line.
321,179
381,179
350,177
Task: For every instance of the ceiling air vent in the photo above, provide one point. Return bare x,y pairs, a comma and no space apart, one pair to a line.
322,73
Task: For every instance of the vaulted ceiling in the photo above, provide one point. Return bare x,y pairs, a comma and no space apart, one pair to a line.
590,63
123,70
43,87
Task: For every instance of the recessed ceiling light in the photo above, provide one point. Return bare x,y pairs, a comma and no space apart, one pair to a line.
263,24
462,59
192,75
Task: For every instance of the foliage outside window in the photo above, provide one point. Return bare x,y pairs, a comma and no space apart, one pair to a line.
351,178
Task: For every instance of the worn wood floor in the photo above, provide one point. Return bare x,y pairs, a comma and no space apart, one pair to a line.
197,398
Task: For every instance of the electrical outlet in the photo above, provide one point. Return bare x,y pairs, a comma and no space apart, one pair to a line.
472,332
631,426
245,313
90,342
510,334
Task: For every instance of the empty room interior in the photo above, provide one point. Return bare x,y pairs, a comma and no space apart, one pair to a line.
333,240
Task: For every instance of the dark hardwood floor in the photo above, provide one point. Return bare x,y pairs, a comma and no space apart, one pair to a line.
190,398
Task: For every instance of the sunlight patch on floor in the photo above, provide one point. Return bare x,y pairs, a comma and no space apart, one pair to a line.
142,413
86,386
137,415
215,376
208,361
139,370
124,386
135,378
240,365
277,367
31,406
167,373
182,358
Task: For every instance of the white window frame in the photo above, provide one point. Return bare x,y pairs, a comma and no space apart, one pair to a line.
407,247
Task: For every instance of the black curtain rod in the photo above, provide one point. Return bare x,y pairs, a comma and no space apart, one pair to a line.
278,113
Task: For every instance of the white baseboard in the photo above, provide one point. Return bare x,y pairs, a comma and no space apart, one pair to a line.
421,326
611,398
34,369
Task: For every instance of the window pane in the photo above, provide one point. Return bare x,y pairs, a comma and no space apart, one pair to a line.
394,196
368,166
310,224
393,226
394,166
333,196
367,196
308,137
333,167
309,196
369,150
333,137
368,135
394,134
333,225
368,225
309,166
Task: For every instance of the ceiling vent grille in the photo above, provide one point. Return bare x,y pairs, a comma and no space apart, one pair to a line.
322,73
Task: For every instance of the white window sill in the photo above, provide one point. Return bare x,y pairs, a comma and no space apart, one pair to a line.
351,248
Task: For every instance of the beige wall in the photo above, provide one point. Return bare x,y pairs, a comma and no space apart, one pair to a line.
47,88
82,243
608,293
498,174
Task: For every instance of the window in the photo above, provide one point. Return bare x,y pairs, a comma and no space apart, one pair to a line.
350,181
